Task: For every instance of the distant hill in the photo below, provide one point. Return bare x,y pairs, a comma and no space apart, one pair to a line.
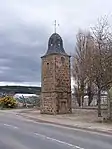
20,89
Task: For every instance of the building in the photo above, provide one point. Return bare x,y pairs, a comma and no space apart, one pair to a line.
56,78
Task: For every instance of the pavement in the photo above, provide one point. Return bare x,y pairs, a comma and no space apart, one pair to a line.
17,132
79,119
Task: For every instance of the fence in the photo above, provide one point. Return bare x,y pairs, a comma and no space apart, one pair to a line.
93,103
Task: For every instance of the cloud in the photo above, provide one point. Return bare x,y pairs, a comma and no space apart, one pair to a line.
26,25
20,56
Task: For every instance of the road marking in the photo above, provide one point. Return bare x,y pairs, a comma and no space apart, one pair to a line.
59,141
11,126
21,117
70,128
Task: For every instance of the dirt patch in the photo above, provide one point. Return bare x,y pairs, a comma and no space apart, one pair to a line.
81,115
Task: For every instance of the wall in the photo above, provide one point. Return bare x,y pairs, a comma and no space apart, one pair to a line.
56,84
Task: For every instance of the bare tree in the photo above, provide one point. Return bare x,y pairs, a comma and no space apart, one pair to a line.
88,66
102,67
80,64
92,62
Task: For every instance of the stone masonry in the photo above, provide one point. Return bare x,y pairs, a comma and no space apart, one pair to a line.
56,79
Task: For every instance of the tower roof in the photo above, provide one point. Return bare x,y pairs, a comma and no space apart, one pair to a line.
55,45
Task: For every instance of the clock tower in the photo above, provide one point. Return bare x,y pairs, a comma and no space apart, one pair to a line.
55,78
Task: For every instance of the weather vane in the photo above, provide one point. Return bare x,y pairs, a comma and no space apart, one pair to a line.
55,26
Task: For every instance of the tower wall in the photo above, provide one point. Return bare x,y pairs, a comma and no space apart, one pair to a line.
63,84
56,84
48,85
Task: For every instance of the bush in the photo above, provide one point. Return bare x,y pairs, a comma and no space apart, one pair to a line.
31,101
8,102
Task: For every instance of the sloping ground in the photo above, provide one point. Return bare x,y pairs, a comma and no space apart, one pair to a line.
80,118
83,115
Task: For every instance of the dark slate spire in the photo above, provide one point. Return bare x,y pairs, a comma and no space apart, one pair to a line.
55,45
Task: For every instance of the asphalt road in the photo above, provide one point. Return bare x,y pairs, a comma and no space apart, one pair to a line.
19,133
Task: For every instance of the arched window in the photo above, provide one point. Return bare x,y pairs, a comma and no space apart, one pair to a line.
62,60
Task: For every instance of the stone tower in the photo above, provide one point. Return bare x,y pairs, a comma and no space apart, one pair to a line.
56,78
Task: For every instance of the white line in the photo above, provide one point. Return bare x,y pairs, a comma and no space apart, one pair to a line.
70,128
11,126
59,141
6,125
66,127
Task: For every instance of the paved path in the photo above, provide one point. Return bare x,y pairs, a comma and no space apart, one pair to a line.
82,119
18,133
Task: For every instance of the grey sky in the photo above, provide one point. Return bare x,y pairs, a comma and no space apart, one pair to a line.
26,25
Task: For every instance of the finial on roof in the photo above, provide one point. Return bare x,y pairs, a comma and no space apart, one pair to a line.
55,25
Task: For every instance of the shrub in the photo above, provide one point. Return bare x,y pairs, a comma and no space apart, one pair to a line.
8,102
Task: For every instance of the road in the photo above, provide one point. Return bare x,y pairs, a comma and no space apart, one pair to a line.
19,133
